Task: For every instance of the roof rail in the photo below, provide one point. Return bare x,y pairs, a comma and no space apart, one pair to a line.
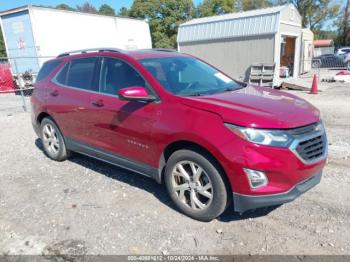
82,51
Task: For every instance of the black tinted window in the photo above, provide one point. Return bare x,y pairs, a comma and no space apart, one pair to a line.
116,74
81,73
46,69
62,75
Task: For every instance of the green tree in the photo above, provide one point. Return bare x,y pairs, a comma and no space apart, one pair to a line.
2,45
215,7
245,5
87,8
123,11
314,13
164,18
343,38
326,34
65,7
106,10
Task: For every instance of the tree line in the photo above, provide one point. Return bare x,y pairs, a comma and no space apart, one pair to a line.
165,16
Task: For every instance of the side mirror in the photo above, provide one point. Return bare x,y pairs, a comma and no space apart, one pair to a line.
135,93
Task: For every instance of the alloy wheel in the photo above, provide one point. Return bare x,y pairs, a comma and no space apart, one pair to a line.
50,139
192,185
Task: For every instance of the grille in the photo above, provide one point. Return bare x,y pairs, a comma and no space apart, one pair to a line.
303,130
312,149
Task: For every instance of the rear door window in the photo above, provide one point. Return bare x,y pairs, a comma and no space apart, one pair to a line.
46,69
80,73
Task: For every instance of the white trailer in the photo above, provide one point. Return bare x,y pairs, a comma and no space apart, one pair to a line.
35,33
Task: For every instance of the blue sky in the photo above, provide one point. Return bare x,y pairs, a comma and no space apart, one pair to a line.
116,4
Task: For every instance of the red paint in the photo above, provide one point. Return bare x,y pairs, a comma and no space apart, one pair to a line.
6,80
118,125
343,73
133,92
258,107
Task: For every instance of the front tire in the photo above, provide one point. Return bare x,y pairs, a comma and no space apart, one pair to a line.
52,140
196,185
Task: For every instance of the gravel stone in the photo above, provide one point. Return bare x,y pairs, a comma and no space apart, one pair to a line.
84,206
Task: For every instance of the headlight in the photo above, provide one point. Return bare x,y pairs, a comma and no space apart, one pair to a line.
267,137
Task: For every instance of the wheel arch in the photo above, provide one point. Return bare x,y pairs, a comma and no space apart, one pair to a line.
185,144
41,116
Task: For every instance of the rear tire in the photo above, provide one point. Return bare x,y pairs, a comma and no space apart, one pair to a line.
52,140
196,185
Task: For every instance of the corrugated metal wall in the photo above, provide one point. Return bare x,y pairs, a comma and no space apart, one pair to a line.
323,51
242,26
234,56
20,42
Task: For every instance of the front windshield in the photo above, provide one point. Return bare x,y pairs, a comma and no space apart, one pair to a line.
187,76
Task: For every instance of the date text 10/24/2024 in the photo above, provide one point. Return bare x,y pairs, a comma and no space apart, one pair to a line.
173,258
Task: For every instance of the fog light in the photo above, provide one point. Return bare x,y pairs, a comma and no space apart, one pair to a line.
256,178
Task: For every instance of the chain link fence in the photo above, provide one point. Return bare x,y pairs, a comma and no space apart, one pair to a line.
330,61
325,67
17,76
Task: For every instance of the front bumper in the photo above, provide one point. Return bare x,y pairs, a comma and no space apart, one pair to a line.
246,202
283,167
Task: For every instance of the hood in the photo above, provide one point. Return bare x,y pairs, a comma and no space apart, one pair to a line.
258,107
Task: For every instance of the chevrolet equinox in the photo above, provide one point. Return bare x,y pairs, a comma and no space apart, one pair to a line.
213,141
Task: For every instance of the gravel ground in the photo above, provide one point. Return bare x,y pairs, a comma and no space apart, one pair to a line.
83,206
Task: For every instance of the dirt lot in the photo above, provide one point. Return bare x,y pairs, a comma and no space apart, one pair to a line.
84,206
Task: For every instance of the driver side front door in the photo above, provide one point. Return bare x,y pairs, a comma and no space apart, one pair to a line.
123,128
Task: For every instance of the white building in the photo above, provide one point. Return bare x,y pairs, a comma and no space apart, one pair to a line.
233,42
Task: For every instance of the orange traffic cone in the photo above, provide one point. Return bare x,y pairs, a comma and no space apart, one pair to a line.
314,86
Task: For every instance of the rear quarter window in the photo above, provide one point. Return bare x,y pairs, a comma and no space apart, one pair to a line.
61,76
46,69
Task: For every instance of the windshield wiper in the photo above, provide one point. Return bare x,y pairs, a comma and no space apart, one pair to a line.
229,89
194,94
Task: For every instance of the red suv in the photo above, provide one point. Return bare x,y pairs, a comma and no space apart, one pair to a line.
212,140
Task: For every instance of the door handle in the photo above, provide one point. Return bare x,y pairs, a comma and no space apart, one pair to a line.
54,93
98,103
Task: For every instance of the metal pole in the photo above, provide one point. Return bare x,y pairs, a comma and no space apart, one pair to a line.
318,69
20,88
